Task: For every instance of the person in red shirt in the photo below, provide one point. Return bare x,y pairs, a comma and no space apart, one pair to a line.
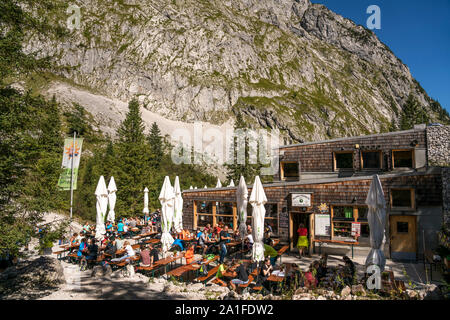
302,242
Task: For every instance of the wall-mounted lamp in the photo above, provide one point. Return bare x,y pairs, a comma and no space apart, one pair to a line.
354,200
356,146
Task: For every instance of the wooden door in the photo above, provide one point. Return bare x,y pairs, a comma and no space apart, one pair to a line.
403,234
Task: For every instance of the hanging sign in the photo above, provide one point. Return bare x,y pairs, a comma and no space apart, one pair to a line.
70,151
301,200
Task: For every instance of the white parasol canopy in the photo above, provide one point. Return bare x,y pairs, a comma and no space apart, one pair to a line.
242,201
178,207
112,189
219,184
102,205
231,183
166,197
257,200
191,187
145,211
205,187
377,221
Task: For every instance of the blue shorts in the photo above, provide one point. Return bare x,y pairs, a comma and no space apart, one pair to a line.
237,281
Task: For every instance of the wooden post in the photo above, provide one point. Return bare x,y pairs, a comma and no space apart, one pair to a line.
311,233
331,222
214,207
195,215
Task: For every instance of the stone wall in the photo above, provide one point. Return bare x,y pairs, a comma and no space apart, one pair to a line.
438,146
446,196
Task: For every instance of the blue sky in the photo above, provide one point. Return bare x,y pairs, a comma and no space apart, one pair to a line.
418,32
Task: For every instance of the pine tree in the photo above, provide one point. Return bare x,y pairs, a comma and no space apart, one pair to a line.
77,121
412,113
156,145
246,169
132,170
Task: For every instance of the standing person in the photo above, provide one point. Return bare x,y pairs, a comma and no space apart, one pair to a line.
302,242
224,237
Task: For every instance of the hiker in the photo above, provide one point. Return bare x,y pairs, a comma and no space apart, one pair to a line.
241,275
119,243
249,241
86,228
120,226
201,241
177,243
322,269
302,242
271,253
224,239
349,270
109,229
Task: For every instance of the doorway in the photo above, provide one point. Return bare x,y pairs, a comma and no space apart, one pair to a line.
403,237
296,219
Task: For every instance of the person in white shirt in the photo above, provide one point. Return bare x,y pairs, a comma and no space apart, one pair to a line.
249,241
129,252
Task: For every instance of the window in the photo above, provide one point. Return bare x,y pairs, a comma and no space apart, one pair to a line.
343,213
225,208
402,198
203,220
362,214
289,171
271,217
402,158
402,227
204,207
226,220
365,231
343,160
371,159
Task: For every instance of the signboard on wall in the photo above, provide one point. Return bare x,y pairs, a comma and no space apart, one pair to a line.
301,200
356,229
322,225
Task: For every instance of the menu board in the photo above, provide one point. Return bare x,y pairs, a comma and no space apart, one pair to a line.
322,225
284,219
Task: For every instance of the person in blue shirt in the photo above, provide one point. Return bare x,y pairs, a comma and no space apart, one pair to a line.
120,226
81,247
179,243
109,228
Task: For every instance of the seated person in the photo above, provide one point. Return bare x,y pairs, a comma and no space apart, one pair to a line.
189,255
111,247
237,235
86,228
154,254
145,256
241,276
249,241
350,265
82,247
322,268
120,227
264,273
311,281
92,251
109,228
119,243
272,253
178,244
129,252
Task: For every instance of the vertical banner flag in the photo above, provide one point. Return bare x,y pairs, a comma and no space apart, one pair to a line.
70,151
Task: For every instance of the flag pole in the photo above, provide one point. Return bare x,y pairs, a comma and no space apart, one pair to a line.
71,175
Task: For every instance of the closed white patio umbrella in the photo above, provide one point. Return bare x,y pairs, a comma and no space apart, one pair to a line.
178,207
231,183
257,200
112,189
191,187
102,205
377,220
205,187
219,184
145,211
242,201
166,197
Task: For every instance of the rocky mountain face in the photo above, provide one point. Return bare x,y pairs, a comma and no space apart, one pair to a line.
286,64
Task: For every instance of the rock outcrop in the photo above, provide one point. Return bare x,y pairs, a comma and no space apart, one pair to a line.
286,64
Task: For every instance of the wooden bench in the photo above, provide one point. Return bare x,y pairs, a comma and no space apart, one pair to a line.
210,274
242,287
282,251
